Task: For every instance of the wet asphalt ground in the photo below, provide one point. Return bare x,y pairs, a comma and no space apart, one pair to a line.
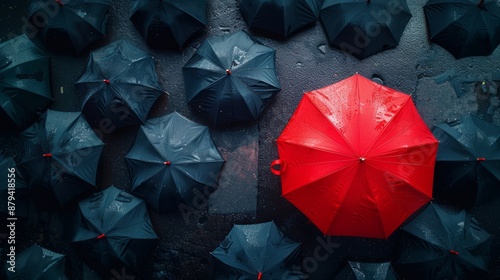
442,87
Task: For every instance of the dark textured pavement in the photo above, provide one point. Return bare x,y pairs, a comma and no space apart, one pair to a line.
442,88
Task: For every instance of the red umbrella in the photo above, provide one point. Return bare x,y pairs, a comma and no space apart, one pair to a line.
356,158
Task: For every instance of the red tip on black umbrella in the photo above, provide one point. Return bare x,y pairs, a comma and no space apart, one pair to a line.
106,81
454,252
228,71
59,2
481,159
167,163
46,155
101,236
259,276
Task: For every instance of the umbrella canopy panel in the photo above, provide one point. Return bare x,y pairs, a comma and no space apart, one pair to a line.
367,270
60,157
69,26
443,243
24,83
38,263
467,169
464,27
114,229
280,17
356,158
168,23
172,160
119,86
257,251
363,27
231,78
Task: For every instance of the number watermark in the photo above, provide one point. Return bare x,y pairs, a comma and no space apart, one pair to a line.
11,219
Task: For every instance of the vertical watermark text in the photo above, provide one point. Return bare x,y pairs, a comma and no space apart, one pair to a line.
11,219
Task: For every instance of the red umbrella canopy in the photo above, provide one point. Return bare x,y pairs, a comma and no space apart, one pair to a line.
356,158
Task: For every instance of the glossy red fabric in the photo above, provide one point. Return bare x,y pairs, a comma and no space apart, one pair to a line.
356,158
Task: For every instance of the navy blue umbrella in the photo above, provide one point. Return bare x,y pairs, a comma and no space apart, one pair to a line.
168,23
37,263
231,78
467,170
24,83
255,251
60,158
114,230
280,17
364,27
171,162
443,243
119,86
464,27
69,26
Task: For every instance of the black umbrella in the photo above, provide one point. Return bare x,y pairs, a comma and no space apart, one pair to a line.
367,270
12,186
363,27
256,251
69,26
114,230
281,17
231,78
464,27
60,157
168,23
37,263
443,243
24,83
467,170
119,86
172,160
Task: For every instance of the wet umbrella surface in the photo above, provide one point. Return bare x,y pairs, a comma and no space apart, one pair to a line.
38,263
168,23
280,17
443,243
257,251
24,83
231,78
113,229
468,162
119,86
60,157
364,27
69,26
441,87
365,270
341,157
172,160
464,27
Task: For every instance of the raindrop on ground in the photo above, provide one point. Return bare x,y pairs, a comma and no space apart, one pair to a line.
322,48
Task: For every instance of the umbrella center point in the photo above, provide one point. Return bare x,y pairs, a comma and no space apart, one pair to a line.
167,162
454,252
46,155
228,71
362,159
481,159
106,81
